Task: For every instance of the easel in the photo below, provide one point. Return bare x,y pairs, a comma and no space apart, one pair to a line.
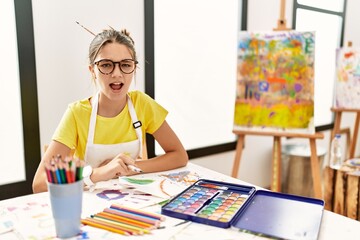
276,158
281,24
337,124
342,187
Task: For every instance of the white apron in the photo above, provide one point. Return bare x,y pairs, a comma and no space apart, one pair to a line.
95,154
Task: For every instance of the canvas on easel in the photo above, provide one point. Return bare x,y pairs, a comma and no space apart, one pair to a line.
347,93
275,94
275,82
343,184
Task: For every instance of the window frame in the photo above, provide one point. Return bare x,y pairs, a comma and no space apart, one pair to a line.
342,14
29,101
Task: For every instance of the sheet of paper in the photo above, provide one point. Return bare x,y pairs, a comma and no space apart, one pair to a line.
165,184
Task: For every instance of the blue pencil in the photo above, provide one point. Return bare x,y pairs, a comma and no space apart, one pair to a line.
58,175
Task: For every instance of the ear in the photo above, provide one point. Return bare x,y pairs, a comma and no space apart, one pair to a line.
91,69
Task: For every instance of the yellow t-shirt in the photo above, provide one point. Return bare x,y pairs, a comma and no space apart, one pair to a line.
74,126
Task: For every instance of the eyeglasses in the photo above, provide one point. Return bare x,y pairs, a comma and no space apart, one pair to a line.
107,66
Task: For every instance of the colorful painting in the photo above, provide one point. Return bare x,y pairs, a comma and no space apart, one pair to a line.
348,78
275,82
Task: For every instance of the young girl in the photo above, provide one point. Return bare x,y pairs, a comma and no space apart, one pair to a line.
108,129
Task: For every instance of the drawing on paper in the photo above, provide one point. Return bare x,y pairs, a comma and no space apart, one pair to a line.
275,82
31,219
129,196
185,178
164,185
347,93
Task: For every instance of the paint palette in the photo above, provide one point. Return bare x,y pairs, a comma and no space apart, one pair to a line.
268,213
209,202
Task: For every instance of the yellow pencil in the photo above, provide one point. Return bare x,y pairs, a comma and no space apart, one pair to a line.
111,229
130,231
125,226
126,220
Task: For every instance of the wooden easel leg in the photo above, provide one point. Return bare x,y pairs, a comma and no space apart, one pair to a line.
239,148
276,165
354,138
315,170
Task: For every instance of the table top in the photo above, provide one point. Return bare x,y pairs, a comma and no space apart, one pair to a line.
30,216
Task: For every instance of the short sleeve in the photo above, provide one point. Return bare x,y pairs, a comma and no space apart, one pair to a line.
65,133
151,113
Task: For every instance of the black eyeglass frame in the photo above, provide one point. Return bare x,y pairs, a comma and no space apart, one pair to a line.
114,64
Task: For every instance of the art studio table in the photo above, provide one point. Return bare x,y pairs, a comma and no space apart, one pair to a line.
31,215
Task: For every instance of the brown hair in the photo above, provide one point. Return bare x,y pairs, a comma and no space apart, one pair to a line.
111,36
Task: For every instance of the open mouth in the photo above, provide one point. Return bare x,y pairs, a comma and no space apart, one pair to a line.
116,86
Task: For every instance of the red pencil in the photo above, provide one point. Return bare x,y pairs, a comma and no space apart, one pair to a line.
48,173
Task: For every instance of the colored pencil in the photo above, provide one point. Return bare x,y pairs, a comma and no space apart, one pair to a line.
79,169
133,216
94,224
127,220
73,170
122,224
48,172
138,211
128,230
135,169
49,176
68,175
62,172
53,174
58,176
67,166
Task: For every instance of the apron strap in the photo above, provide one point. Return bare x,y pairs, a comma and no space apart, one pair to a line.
91,132
136,124
94,110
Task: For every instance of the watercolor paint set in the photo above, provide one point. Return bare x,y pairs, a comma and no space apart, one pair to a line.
225,205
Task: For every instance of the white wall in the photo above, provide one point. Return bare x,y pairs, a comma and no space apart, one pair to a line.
61,60
196,59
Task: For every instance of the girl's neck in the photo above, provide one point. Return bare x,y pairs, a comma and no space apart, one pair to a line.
110,108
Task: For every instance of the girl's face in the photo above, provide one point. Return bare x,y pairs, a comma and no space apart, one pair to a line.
114,85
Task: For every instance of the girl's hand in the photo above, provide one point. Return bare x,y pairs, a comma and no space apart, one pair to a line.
118,166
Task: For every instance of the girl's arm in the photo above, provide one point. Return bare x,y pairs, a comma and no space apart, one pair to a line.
55,148
175,155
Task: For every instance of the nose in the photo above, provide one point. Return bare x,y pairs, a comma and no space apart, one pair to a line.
117,71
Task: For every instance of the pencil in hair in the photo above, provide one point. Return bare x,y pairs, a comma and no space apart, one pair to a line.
85,28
